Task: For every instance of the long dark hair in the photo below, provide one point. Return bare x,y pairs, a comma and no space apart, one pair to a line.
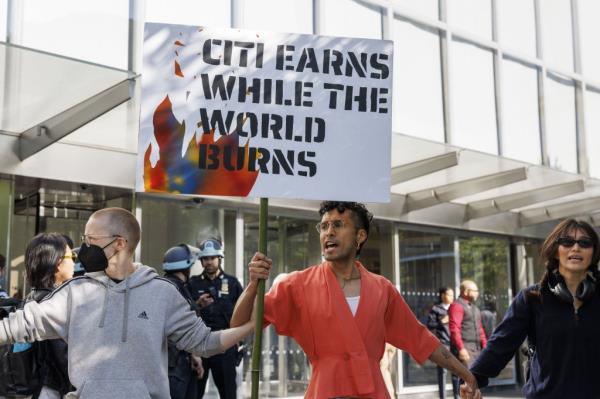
550,246
42,256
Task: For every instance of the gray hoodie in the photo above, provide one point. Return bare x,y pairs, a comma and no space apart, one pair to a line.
117,333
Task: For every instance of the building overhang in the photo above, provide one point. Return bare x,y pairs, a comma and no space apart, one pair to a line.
440,185
45,97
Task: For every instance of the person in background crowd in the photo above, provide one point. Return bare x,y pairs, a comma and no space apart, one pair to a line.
342,315
3,292
117,318
467,336
184,369
489,315
216,293
48,264
438,323
559,318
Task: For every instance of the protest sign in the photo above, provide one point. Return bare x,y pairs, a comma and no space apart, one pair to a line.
245,113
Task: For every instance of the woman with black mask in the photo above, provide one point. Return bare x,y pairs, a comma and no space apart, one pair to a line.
49,262
558,316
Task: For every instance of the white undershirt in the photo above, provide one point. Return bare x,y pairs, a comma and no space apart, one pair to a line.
353,303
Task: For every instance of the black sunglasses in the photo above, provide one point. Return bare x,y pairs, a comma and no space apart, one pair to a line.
569,242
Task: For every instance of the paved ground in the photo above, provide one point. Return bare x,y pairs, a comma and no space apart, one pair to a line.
488,393
496,393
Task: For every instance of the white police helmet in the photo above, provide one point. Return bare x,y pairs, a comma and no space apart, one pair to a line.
211,247
180,257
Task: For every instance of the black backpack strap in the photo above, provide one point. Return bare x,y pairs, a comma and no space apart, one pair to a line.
531,335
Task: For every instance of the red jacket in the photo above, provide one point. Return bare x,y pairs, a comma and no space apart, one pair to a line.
456,314
345,350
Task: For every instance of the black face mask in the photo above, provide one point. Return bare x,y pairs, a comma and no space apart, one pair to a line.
93,258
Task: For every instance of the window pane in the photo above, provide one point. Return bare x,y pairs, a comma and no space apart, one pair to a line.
516,25
351,19
215,14
418,105
3,21
589,32
592,130
485,261
168,223
376,254
426,264
117,129
557,38
292,15
90,31
474,16
560,123
427,8
520,112
472,98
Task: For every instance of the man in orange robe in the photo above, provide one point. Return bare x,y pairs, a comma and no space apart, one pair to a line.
342,315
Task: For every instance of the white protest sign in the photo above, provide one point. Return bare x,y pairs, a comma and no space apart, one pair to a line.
245,113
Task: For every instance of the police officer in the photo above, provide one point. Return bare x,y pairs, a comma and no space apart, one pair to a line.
184,369
216,293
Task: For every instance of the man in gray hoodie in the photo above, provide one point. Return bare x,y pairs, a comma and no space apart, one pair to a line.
117,318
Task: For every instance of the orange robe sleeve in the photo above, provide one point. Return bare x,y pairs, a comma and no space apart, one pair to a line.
280,308
404,331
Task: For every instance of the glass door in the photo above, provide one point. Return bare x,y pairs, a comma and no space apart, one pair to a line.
486,261
427,262
52,206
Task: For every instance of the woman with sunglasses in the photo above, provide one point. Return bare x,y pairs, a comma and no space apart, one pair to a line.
559,316
49,262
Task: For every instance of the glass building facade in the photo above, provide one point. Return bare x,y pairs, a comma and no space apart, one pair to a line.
501,84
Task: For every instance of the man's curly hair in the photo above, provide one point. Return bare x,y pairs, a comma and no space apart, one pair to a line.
361,216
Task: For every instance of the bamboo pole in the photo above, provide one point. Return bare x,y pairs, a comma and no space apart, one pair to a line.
260,298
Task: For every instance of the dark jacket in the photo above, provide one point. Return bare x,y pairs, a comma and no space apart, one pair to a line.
182,377
225,290
567,352
488,321
52,355
435,325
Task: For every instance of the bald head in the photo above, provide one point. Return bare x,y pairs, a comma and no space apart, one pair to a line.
117,221
469,290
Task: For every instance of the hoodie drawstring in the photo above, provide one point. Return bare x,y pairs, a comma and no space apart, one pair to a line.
101,324
125,311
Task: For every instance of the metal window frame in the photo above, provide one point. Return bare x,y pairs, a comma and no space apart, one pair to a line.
448,32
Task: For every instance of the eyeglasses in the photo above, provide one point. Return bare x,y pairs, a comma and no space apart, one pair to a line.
323,227
87,238
73,257
568,242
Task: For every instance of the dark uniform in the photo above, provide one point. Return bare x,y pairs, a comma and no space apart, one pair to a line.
181,375
225,289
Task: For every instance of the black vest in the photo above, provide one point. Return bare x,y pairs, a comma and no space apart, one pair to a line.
471,321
